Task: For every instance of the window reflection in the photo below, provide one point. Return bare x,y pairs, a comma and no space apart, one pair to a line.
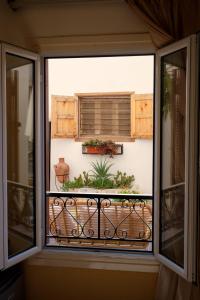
173,119
20,153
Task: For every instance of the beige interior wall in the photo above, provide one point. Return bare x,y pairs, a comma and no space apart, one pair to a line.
83,25
89,17
74,25
12,29
52,283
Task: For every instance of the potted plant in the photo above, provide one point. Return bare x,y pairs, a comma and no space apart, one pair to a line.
94,146
110,148
100,147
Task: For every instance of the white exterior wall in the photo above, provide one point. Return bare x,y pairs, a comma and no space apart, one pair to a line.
136,160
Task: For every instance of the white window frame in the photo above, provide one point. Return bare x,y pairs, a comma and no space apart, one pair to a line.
1,172
7,262
188,272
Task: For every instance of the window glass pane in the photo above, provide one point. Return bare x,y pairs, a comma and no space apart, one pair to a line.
173,118
20,153
172,224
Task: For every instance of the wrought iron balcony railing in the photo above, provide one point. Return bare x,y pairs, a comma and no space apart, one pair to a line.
99,220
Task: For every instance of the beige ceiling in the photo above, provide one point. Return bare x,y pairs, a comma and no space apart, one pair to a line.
80,19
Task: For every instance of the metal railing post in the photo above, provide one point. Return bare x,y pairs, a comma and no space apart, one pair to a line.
99,216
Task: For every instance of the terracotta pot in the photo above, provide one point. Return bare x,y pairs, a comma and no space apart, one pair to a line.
62,170
95,149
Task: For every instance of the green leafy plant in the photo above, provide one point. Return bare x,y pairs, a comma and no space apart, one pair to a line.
78,182
127,191
100,177
122,180
87,179
93,143
101,183
100,174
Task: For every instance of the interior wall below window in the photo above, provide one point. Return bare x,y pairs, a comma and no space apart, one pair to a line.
52,283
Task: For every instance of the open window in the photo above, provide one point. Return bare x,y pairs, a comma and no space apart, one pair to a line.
176,157
20,155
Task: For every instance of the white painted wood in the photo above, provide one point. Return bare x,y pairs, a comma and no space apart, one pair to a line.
157,157
188,272
193,159
38,121
1,173
108,44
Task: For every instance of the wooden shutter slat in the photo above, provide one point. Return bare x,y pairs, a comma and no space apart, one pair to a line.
107,132
88,123
104,111
106,98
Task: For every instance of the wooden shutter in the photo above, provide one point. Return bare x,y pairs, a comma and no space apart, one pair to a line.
106,115
63,117
142,116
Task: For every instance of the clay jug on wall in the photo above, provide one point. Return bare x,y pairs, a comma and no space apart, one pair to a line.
62,170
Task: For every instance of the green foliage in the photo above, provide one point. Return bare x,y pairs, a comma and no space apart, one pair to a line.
122,180
86,179
100,174
102,183
94,143
76,183
127,191
100,177
101,169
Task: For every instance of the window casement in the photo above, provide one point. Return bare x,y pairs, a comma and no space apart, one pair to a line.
118,116
21,180
175,157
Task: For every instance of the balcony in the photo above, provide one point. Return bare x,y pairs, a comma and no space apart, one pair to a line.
105,221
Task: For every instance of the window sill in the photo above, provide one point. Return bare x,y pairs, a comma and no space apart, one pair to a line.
105,138
96,260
